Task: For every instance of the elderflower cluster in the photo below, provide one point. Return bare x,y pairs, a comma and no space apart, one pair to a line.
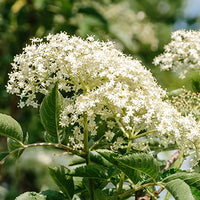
98,81
182,54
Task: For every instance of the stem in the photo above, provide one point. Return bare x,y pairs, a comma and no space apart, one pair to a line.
86,149
119,191
44,144
129,146
122,173
171,160
177,158
143,134
167,196
96,143
85,133
122,128
131,191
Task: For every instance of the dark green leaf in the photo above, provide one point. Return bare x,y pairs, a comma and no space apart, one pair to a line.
132,164
101,195
78,184
108,155
31,196
9,127
195,193
65,183
50,110
90,171
3,155
53,195
97,158
12,145
179,190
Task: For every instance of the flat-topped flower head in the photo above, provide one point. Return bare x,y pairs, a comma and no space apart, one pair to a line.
182,54
98,80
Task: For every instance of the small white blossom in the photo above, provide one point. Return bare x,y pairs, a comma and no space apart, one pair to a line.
182,54
103,82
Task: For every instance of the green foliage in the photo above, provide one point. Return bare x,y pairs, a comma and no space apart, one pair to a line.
64,182
134,163
92,171
12,145
50,110
179,189
141,170
10,128
192,179
3,155
52,195
195,193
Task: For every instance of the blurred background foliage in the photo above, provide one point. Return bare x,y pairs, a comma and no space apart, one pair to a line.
139,28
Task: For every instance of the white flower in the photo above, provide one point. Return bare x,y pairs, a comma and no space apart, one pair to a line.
182,54
102,82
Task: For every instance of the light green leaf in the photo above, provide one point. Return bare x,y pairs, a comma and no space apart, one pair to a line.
12,145
31,196
191,178
50,110
179,190
9,127
76,160
64,182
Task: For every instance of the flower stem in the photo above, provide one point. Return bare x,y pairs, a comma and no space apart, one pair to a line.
44,144
86,149
122,173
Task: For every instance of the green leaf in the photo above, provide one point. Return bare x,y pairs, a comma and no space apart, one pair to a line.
107,154
52,195
9,127
132,164
3,155
65,183
93,171
191,178
101,195
78,185
97,158
50,111
12,145
179,190
195,193
31,196
76,160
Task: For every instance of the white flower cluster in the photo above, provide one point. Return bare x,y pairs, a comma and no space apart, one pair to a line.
99,81
182,54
